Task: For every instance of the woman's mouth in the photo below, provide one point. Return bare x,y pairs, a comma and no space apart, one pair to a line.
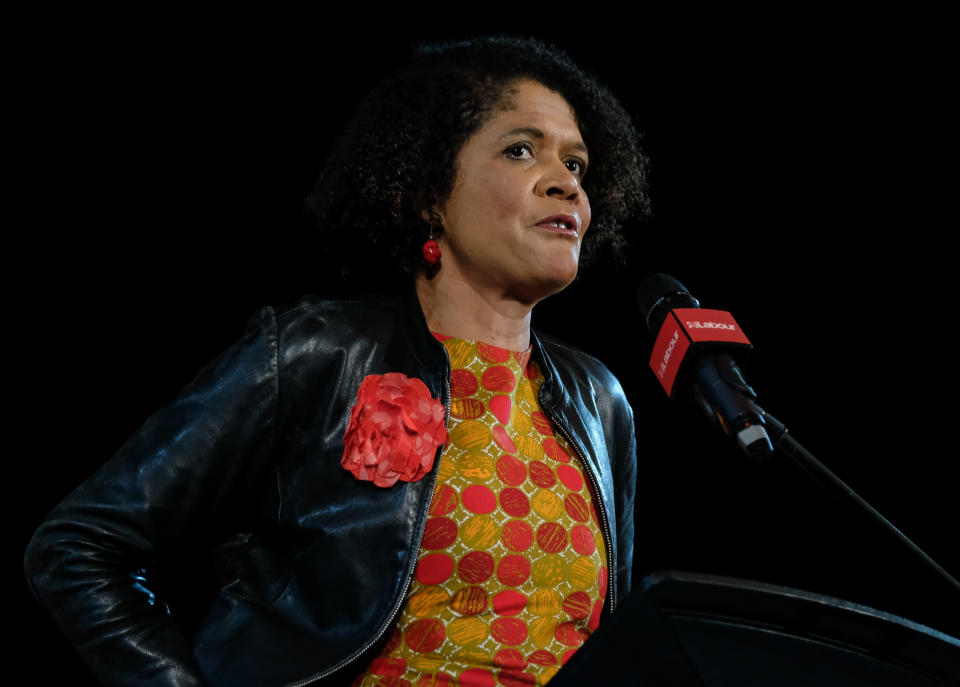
566,225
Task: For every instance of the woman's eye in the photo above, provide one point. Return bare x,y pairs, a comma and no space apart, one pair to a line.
519,151
576,167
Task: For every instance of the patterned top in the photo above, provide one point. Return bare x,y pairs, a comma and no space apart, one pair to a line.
512,570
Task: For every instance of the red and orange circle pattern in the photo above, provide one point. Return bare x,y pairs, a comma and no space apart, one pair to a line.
512,574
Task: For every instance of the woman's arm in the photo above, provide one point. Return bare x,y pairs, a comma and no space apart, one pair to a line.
176,477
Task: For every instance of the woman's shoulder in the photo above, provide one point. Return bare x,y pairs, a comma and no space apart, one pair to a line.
371,315
312,307
569,358
313,332
577,368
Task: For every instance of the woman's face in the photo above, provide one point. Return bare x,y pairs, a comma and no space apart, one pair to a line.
517,214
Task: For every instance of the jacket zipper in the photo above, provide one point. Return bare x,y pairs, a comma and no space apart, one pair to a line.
406,588
605,522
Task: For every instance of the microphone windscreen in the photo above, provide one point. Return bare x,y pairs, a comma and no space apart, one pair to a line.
657,295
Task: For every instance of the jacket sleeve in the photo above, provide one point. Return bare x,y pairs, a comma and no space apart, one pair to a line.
174,477
625,482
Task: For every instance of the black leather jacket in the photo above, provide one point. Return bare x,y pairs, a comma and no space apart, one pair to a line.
320,569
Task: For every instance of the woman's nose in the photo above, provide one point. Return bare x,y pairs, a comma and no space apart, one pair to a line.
560,182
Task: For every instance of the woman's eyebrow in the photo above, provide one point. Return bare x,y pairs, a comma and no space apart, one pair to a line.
538,133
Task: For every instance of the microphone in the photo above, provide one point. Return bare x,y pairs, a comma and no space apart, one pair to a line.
692,350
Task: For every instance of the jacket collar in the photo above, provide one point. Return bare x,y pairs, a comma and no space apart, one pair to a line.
551,393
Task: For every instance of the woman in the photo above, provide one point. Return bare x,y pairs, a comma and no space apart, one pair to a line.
407,488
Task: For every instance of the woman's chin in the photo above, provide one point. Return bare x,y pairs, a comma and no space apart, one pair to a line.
554,279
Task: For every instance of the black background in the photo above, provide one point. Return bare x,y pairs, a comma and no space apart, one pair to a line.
803,178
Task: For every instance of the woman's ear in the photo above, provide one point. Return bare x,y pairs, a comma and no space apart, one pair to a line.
432,216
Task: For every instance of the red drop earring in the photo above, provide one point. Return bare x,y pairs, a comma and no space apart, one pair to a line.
431,252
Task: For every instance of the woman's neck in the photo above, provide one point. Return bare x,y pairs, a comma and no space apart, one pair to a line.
459,309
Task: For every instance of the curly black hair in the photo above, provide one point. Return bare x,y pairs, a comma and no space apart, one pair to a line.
397,157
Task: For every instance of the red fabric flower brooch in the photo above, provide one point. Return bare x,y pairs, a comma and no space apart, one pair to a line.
394,431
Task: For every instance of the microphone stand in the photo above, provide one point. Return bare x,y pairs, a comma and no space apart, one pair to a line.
788,446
